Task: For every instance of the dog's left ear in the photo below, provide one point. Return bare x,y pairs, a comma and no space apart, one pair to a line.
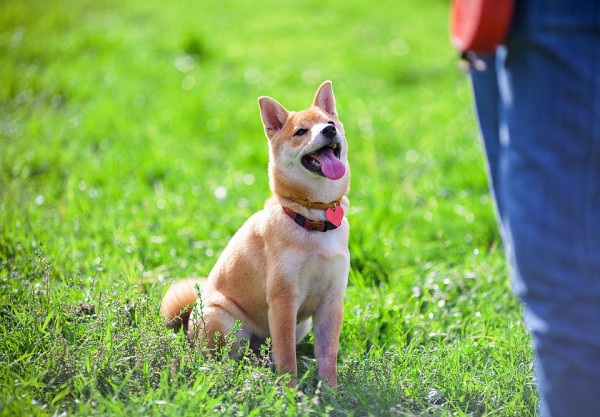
324,99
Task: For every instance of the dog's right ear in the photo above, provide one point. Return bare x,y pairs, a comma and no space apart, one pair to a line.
273,115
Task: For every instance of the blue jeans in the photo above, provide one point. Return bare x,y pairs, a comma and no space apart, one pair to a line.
538,105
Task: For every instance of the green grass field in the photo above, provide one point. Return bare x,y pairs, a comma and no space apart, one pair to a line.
131,149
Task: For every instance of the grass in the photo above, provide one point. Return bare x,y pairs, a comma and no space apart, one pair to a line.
131,149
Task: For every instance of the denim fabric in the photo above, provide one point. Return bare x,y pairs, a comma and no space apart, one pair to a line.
538,104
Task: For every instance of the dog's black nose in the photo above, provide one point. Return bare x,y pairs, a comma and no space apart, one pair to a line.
329,131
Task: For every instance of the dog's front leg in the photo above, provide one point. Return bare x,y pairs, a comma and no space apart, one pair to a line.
328,324
282,326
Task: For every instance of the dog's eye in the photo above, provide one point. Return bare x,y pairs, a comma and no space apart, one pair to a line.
300,132
330,123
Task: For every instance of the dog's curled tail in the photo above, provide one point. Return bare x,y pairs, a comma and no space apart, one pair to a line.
178,302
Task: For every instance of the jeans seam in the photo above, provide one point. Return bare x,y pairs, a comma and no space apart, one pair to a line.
593,167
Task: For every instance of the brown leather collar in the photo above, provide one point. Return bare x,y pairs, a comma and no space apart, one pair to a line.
314,204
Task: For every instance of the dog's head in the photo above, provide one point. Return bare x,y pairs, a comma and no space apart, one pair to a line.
308,152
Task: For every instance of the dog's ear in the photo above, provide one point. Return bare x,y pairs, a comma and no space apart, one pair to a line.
324,98
273,115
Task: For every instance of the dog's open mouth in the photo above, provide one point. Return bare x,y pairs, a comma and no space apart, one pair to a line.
326,162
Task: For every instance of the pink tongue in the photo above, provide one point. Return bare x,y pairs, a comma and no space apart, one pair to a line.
331,166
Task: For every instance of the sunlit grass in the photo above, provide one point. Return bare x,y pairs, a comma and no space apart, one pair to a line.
131,150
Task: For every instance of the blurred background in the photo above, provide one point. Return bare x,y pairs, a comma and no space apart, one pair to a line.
119,115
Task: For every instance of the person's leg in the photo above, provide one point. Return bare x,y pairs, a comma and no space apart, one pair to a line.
487,104
549,185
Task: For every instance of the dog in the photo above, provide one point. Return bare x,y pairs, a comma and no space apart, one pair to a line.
287,266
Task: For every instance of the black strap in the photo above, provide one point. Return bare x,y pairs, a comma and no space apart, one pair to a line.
311,225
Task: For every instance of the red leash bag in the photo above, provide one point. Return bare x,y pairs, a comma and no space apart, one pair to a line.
479,26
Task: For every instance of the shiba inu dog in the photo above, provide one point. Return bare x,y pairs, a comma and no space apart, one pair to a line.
287,266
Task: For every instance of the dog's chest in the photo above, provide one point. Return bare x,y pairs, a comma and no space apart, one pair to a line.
322,277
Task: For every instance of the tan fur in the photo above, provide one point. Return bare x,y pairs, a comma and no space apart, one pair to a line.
274,276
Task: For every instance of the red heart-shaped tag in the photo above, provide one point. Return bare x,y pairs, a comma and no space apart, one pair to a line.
335,215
